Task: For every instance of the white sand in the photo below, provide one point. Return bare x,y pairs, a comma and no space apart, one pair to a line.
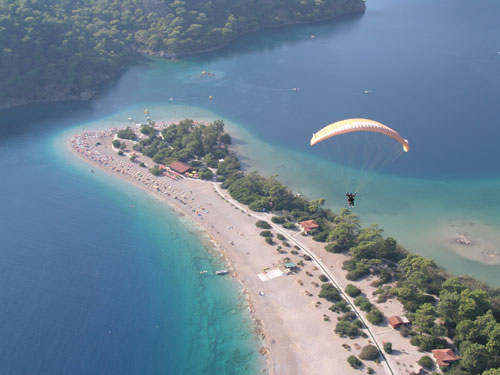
288,314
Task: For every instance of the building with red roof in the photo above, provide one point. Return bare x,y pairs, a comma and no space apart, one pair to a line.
444,357
398,321
308,225
179,167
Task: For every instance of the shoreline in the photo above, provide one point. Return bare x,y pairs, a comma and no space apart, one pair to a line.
288,318
90,93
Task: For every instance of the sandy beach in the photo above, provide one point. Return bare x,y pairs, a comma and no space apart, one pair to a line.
296,327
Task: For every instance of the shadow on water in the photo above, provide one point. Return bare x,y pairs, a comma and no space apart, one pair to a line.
274,38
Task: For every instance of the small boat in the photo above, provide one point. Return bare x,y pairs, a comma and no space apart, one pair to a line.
222,272
203,272
91,171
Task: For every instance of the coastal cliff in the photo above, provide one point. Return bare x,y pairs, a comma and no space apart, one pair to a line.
61,51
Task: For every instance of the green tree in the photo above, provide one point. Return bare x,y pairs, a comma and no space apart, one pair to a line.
388,347
155,171
493,343
426,362
475,358
423,319
472,303
314,206
344,235
206,174
369,352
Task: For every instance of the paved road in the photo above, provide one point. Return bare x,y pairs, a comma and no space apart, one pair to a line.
320,265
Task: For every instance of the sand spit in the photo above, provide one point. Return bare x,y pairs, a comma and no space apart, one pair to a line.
295,325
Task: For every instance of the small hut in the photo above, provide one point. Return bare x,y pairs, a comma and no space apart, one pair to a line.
398,321
179,167
308,226
444,357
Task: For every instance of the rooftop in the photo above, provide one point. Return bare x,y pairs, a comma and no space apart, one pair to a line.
444,356
179,167
309,225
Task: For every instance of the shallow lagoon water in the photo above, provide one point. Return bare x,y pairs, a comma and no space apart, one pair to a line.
99,278
92,285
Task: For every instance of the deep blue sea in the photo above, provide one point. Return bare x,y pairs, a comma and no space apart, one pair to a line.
97,278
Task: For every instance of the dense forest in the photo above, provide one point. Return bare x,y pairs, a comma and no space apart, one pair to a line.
59,49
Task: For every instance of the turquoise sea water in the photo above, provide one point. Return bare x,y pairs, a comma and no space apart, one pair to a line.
92,285
98,278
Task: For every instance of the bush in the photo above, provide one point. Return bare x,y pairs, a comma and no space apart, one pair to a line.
220,179
340,307
156,171
369,352
388,347
349,316
356,270
116,143
370,371
354,362
141,164
426,362
289,225
269,240
206,174
352,290
427,343
266,233
307,257
363,303
263,224
320,237
278,219
330,293
335,247
120,153
323,278
280,237
404,331
375,316
345,328
126,134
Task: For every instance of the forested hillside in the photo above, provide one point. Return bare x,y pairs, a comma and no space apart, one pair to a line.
60,49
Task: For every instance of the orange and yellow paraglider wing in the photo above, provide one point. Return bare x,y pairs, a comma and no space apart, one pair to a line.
356,125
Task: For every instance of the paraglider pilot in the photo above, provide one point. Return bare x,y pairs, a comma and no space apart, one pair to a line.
350,199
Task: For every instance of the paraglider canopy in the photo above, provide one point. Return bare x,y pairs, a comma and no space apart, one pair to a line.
357,125
359,147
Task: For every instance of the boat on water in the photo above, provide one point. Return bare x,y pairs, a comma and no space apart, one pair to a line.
203,272
222,272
